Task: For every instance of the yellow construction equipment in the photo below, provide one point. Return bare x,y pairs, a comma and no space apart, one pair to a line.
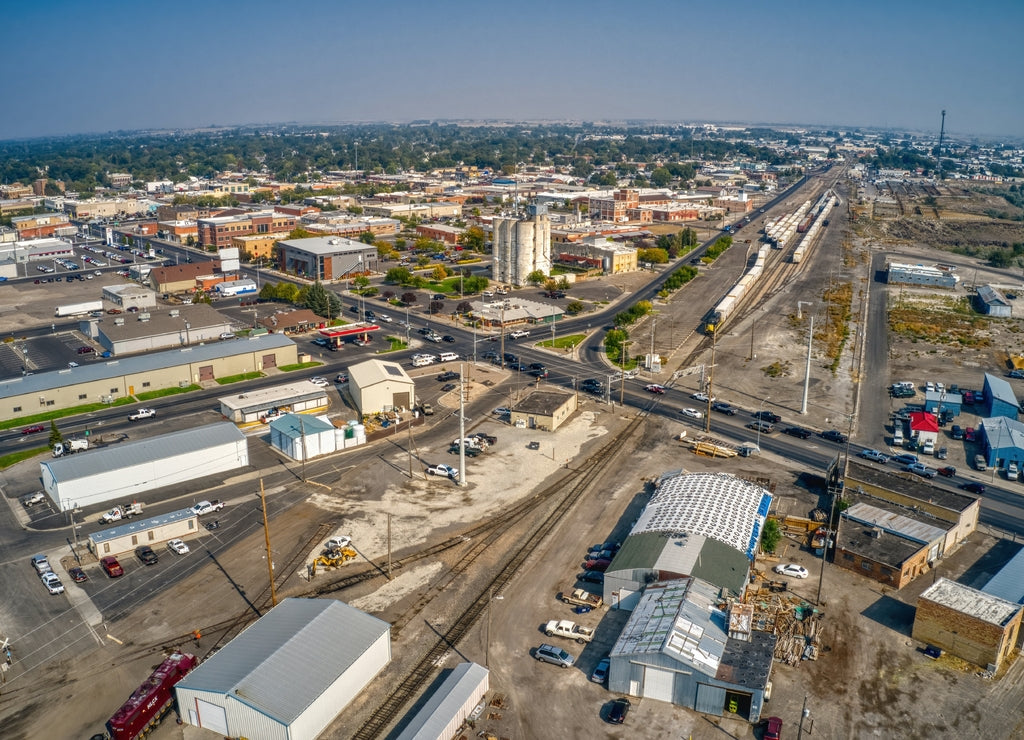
332,559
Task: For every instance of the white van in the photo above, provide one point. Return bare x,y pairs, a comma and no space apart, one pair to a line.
422,360
449,357
897,437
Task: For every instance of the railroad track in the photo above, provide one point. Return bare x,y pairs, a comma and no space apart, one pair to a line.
419,676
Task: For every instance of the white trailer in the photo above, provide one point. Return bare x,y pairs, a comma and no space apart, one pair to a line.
77,309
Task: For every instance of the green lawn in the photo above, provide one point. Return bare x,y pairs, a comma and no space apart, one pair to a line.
563,342
15,457
163,392
241,376
394,343
60,413
298,366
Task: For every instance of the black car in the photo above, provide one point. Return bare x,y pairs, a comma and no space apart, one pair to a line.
448,387
490,355
797,432
592,576
470,451
620,708
834,435
488,438
542,373
972,487
449,375
146,555
769,416
723,408
509,357
536,366
448,338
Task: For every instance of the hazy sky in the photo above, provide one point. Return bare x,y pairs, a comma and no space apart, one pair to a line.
75,67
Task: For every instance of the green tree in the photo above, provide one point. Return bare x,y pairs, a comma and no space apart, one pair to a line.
55,436
361,281
575,307
321,301
656,256
661,177
269,291
397,276
550,285
288,292
300,233
367,237
771,535
535,278
473,239
439,273
474,284
563,283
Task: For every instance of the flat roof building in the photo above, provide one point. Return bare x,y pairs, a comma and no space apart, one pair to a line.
900,273
163,328
252,405
543,410
150,531
327,258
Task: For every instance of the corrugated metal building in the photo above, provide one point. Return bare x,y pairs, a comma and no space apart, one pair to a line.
1004,442
448,707
679,647
253,405
380,386
124,471
1008,583
289,674
920,275
302,437
1001,398
990,301
701,524
149,531
945,401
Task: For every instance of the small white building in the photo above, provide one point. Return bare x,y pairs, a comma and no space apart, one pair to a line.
377,385
302,437
289,674
149,531
253,405
450,705
123,471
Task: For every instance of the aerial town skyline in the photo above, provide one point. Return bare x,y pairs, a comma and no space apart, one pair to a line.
876,65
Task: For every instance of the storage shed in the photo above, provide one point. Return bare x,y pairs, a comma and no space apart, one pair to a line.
1001,398
990,301
149,531
678,647
449,705
289,674
302,437
130,468
924,426
944,402
543,410
377,386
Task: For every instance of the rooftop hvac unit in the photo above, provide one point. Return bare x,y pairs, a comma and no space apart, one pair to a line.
876,532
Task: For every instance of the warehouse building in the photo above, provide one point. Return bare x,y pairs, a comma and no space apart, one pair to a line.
326,258
680,646
973,625
150,531
289,674
945,402
125,296
1001,398
543,410
107,381
903,274
1003,442
991,302
450,705
1008,583
378,386
705,525
129,469
254,405
163,328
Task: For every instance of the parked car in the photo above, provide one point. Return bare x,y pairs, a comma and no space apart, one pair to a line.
980,463
445,470
177,547
41,564
52,582
111,567
145,554
797,432
969,434
941,454
834,435
341,378
592,576
320,382
77,575
600,674
554,655
598,564
1018,374
920,469
85,350
772,729
449,375
791,569
873,455
956,432
619,710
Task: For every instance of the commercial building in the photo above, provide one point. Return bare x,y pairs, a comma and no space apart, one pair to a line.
543,410
254,404
289,674
42,226
151,330
613,258
924,426
293,322
326,258
181,232
991,302
899,273
181,278
258,246
124,471
450,705
972,625
303,437
106,381
680,646
945,402
334,225
377,386
522,246
1002,400
1003,441
129,295
495,313
36,250
420,210
95,208
448,235
218,231
150,531
705,525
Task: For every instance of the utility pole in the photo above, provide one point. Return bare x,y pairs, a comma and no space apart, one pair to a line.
711,380
462,426
266,536
389,545
807,370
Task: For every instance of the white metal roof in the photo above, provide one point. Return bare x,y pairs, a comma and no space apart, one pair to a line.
912,529
466,681
125,454
260,398
371,372
290,656
971,601
715,505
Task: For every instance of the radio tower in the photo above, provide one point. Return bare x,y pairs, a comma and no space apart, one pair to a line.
942,132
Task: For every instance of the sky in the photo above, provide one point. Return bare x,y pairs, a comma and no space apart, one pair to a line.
75,67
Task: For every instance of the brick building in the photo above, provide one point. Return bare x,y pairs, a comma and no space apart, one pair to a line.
326,258
972,625
258,246
42,226
181,278
218,231
440,232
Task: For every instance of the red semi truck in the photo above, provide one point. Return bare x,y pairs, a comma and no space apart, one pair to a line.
148,703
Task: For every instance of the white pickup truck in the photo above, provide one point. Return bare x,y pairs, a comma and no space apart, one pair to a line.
207,507
121,512
568,629
518,334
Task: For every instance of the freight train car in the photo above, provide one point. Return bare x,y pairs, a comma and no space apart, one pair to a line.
149,703
717,316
